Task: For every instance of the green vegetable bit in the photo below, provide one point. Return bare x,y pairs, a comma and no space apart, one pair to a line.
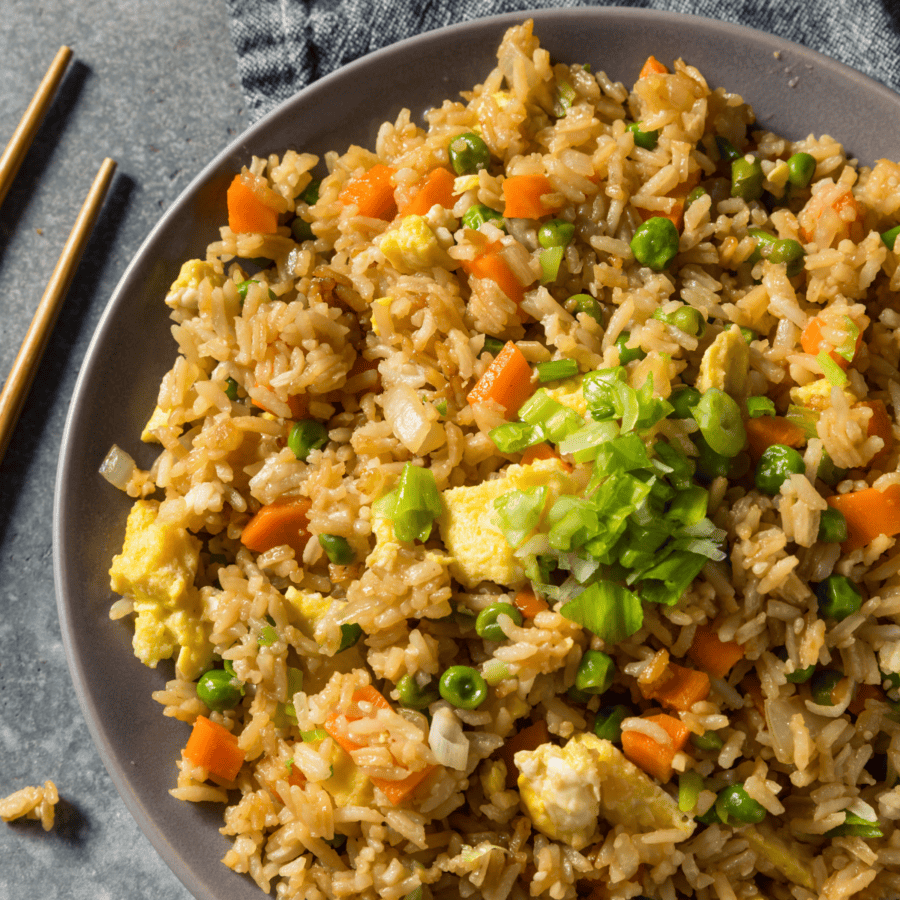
337,549
760,406
709,464
556,233
683,399
310,194
838,597
585,303
412,695
492,345
463,687
775,466
243,286
487,626
608,722
267,634
551,259
797,676
718,417
628,354
735,803
709,740
832,526
727,150
749,335
219,690
747,178
647,140
231,389
856,826
413,505
595,672
468,154
305,436
784,251
302,230
686,319
822,685
694,196
890,237
350,635
801,168
475,216
655,243
556,370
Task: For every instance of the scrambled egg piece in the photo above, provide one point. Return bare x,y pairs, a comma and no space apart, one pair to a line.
566,789
790,859
476,544
183,291
348,785
413,247
156,568
817,395
569,393
725,364
159,419
310,607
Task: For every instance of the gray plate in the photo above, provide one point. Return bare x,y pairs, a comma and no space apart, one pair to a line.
794,92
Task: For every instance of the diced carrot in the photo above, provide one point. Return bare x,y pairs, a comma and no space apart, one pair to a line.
493,266
712,654
835,205
529,738
765,431
215,749
679,194
812,342
653,67
864,692
879,425
869,513
281,522
750,684
542,451
679,688
298,404
337,725
436,188
523,196
372,193
651,756
507,381
529,604
246,211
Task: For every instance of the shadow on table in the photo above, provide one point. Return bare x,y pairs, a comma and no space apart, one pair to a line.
52,372
70,825
40,154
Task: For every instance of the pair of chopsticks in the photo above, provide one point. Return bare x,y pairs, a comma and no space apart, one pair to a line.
21,376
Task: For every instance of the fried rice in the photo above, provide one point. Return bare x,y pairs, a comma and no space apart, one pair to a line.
668,703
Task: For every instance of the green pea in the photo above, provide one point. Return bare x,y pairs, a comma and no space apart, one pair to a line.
832,526
578,696
801,168
710,817
595,672
463,687
477,214
302,230
694,195
487,626
747,178
305,436
310,194
710,464
828,471
727,150
718,417
231,389
644,139
749,335
775,466
822,685
350,635
585,303
556,233
735,803
608,722
492,345
709,740
219,690
890,237
685,318
838,597
778,250
468,154
413,695
337,549
797,676
655,243
242,287
628,354
683,400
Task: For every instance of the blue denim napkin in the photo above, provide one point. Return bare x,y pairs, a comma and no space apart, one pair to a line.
284,45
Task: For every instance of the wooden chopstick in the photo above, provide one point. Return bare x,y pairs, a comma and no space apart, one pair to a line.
12,397
27,128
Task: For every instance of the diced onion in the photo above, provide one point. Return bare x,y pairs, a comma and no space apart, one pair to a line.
412,421
118,467
447,741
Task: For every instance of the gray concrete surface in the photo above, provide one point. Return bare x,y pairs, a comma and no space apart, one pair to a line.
154,85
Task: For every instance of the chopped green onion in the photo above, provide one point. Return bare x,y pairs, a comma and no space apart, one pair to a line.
856,826
565,97
805,419
441,407
310,737
495,670
889,237
847,349
267,634
585,443
557,420
350,635
556,370
551,259
760,406
689,786
836,376
294,680
606,609
413,505
513,437
709,740
518,513
491,345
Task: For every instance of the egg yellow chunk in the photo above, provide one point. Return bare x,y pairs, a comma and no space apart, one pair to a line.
726,364
817,395
156,569
565,790
413,247
569,392
158,419
478,549
310,608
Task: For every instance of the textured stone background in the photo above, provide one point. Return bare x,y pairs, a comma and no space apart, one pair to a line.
153,85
